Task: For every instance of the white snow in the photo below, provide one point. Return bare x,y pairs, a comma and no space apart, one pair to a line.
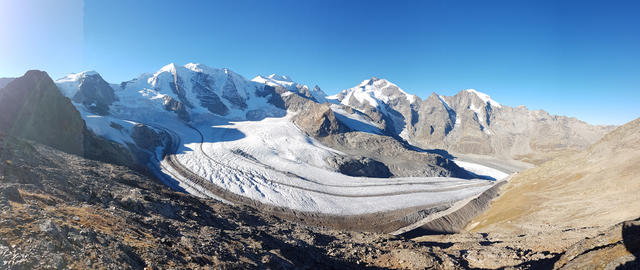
477,111
444,102
486,98
374,92
356,120
69,85
287,83
481,170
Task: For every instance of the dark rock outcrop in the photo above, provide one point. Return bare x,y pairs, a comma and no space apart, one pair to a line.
34,109
208,98
173,105
359,166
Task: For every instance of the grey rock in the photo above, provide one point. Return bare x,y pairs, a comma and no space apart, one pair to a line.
49,227
230,92
95,94
359,166
173,105
202,86
11,193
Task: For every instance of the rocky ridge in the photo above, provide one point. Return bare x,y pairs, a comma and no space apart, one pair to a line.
469,122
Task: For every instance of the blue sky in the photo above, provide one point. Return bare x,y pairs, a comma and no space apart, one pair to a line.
571,58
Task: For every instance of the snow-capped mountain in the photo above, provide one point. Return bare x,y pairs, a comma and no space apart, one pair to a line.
468,122
89,89
286,82
194,89
382,100
373,92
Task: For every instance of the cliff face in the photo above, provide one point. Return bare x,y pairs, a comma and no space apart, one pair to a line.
33,108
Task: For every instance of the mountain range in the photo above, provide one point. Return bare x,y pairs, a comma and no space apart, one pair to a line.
373,158
468,123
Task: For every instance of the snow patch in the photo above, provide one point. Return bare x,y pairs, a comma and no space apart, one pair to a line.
481,169
486,98
356,121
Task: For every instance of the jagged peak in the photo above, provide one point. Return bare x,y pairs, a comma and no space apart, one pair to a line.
278,77
77,76
275,80
484,97
198,67
171,67
375,86
372,81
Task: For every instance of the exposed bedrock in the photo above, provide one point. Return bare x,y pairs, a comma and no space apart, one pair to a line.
146,140
615,248
402,162
173,105
359,166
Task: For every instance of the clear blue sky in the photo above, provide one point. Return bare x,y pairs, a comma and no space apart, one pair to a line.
577,58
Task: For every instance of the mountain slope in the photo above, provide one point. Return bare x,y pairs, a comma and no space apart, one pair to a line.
595,187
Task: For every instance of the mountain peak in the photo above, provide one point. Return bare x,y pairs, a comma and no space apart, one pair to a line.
275,80
373,80
77,76
277,77
197,67
171,67
484,97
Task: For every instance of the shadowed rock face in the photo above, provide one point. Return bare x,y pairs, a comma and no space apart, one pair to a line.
208,98
615,248
95,94
173,105
33,108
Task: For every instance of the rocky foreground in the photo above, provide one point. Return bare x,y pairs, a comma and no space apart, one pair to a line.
63,211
